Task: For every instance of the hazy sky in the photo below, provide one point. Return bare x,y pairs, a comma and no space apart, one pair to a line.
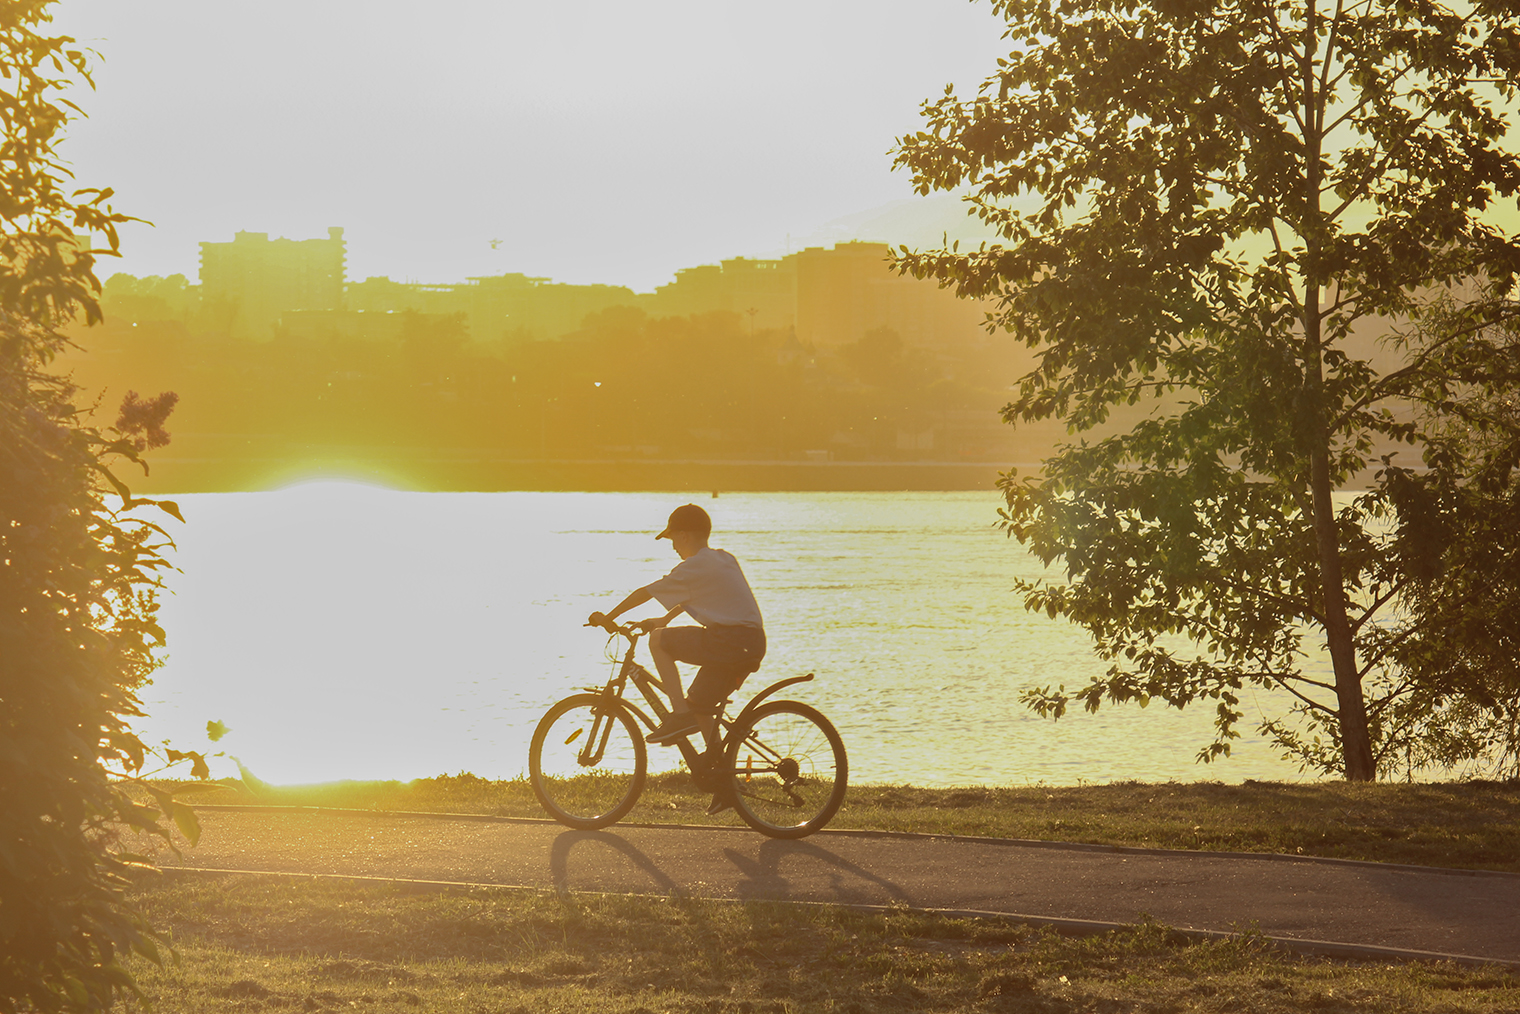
598,141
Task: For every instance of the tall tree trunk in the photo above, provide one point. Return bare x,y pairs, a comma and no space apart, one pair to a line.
1356,741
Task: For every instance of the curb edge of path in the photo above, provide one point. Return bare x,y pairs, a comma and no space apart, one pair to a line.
1066,927
1030,843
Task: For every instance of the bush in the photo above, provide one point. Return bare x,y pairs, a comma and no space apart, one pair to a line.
77,578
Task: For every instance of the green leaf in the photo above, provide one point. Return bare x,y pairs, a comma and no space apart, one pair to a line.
117,484
188,823
168,507
215,730
148,949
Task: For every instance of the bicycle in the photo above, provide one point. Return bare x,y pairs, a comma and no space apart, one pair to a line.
783,761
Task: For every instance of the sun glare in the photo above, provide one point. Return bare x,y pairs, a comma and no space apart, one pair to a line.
318,485
339,483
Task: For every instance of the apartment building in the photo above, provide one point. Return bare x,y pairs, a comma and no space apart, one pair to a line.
825,296
248,283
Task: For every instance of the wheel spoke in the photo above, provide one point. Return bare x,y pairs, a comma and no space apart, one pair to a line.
789,770
587,761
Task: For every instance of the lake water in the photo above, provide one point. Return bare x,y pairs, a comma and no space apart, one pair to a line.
346,631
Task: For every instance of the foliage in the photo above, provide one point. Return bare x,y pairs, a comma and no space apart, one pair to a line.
1455,542
77,612
152,298
1208,212
700,386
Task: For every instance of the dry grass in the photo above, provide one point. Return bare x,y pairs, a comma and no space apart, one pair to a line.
248,944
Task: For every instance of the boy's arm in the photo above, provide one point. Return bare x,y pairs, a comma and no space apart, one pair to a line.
635,598
653,624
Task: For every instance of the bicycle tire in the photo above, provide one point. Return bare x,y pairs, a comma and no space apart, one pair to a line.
788,769
576,790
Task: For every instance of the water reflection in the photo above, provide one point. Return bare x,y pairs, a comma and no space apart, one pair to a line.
344,631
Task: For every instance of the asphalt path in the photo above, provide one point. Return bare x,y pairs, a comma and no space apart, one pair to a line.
1316,902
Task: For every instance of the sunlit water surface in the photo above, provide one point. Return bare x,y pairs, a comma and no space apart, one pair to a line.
344,631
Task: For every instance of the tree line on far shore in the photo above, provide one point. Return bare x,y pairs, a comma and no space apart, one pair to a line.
623,385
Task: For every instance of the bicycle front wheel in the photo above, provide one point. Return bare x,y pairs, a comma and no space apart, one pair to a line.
789,770
587,761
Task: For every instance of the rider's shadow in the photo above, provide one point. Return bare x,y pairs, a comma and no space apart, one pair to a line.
842,881
559,860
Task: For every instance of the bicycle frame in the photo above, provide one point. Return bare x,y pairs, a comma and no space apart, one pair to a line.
779,764
649,686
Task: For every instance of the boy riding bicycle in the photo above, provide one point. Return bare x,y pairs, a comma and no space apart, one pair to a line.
708,586
779,763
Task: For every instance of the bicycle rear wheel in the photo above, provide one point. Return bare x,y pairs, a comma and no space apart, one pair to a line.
788,768
587,761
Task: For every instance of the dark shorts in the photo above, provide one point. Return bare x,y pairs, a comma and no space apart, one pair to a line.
726,656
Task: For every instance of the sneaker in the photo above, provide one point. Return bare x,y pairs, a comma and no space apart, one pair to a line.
720,801
673,728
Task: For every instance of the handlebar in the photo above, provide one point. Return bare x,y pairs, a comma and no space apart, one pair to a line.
632,631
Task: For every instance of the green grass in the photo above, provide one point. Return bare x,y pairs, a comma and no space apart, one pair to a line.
1467,825
257,944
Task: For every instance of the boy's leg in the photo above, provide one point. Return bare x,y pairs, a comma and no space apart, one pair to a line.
710,687
706,710
680,721
670,676
724,663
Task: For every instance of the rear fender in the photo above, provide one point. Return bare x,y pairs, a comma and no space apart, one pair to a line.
768,691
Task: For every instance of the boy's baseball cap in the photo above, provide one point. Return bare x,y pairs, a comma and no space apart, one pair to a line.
687,518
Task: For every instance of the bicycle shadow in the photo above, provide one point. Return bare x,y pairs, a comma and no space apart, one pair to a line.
565,842
775,871
827,876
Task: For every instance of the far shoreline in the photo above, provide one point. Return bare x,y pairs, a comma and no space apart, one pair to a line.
471,472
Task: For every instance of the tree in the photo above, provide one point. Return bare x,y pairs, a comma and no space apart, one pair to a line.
1455,542
77,610
1205,212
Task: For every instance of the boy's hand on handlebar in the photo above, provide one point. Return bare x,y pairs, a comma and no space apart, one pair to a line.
651,624
602,620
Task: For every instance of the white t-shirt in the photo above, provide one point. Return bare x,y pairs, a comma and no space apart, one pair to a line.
709,585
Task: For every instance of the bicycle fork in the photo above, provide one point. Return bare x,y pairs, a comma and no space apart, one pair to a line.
602,720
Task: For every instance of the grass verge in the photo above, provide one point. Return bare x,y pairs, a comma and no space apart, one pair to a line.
250,944
1464,825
